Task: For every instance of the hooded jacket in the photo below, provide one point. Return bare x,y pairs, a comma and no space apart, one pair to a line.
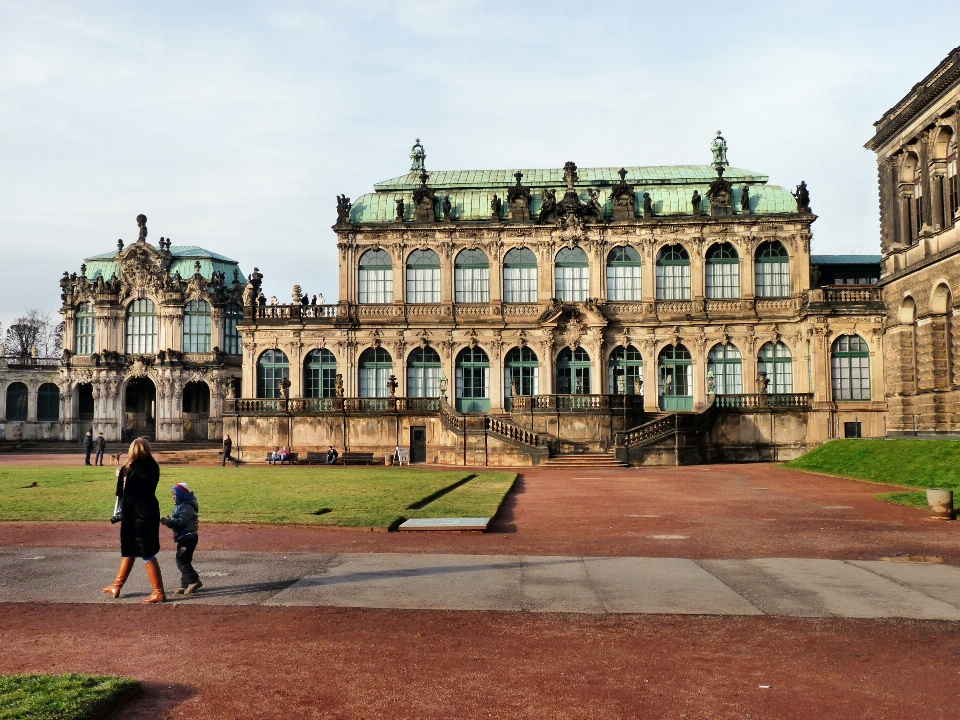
185,520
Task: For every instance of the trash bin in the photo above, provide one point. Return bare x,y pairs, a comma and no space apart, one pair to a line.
940,504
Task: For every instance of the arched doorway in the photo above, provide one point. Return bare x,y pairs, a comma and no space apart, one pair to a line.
196,410
473,380
573,372
85,407
676,375
140,409
626,371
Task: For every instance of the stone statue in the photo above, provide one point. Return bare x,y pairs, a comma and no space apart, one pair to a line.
418,157
339,385
548,209
762,383
647,205
570,174
518,198
401,208
803,197
249,295
120,245
447,207
496,205
392,385
284,387
637,385
142,222
593,210
343,209
719,150
695,201
623,198
720,195
745,200
514,387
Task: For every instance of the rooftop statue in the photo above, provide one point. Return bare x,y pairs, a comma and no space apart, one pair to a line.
142,222
570,174
418,157
803,197
343,209
719,150
548,209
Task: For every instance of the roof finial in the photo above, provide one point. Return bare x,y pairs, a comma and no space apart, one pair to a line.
719,150
418,157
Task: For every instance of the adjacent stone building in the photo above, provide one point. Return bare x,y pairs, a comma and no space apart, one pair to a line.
916,146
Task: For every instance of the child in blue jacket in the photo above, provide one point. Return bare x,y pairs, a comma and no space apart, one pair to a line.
185,522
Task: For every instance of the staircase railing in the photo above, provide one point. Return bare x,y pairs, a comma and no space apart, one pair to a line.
508,430
450,418
647,433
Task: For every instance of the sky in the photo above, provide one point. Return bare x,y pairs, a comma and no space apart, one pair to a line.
234,125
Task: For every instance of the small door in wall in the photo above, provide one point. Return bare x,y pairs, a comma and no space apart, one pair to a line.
418,444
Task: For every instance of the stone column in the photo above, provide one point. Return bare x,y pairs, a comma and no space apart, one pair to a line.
32,399
597,266
496,278
218,336
648,273
547,366
597,381
546,273
496,376
294,353
699,378
748,283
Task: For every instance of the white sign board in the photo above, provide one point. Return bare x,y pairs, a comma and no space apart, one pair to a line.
402,456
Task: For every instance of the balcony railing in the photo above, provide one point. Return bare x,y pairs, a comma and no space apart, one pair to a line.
574,403
298,311
313,406
845,295
29,361
762,400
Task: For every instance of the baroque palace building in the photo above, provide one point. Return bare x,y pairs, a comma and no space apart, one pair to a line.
151,348
916,146
662,314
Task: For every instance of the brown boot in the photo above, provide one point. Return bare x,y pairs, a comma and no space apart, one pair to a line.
125,566
153,572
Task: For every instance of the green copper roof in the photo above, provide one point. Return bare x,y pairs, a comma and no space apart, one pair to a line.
845,259
471,191
183,261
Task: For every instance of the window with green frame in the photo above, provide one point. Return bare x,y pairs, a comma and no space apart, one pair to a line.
376,277
272,368
725,365
623,274
675,366
141,327
850,365
521,366
573,372
775,360
423,277
626,367
572,275
673,273
723,272
772,270
17,401
423,373
473,380
196,327
471,277
232,316
375,368
85,330
320,374
520,276
48,403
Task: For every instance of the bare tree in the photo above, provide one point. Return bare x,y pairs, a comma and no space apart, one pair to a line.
34,335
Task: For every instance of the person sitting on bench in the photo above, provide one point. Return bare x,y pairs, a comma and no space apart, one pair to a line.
285,455
274,456
332,456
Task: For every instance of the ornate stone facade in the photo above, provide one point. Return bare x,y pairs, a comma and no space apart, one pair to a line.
916,146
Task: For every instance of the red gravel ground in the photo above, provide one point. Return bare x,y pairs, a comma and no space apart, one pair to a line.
252,662
727,511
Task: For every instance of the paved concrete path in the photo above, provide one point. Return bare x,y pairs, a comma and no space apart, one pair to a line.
770,586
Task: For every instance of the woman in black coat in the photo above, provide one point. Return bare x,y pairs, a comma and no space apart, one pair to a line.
140,519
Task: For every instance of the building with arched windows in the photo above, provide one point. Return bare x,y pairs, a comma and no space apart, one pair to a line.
151,343
511,316
916,146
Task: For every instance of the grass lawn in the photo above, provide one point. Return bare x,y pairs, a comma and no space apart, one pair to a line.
60,697
912,463
358,497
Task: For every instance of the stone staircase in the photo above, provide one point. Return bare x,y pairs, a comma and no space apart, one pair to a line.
587,459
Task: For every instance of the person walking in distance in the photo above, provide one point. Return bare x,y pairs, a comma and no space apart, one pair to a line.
139,518
185,522
87,446
99,445
227,447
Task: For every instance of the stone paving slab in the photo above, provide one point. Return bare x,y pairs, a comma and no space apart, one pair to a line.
778,586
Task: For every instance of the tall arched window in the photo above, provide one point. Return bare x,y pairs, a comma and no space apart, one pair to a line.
676,378
673,273
623,274
196,327
773,270
232,316
723,271
521,368
472,277
48,403
520,276
272,368
376,277
320,374
376,367
850,365
141,327
573,275
775,360
473,380
423,277
85,330
17,401
423,373
573,372
725,366
626,368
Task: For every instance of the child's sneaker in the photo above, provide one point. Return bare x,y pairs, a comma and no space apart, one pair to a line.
193,587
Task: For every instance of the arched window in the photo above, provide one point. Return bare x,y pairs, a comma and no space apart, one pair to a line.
520,276
376,277
472,277
142,327
272,368
723,271
773,270
626,368
850,365
196,327
725,366
573,275
473,380
320,374
775,360
423,373
16,401
85,330
376,367
232,316
623,274
573,372
423,277
48,403
521,368
676,378
673,273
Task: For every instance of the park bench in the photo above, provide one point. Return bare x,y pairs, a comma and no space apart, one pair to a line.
292,459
